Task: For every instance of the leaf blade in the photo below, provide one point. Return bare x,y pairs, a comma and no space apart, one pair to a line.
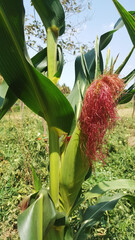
52,14
128,20
95,212
34,89
35,222
105,186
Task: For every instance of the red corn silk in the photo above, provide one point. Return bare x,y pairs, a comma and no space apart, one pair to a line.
99,114
67,139
115,83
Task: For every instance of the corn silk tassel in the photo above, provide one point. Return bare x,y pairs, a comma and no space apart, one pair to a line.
99,114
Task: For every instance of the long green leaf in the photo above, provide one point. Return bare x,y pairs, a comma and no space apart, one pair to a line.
106,38
107,60
7,98
124,62
129,77
52,14
102,187
7,102
129,91
94,213
37,219
85,67
34,89
128,20
127,96
3,89
30,222
40,61
97,59
82,80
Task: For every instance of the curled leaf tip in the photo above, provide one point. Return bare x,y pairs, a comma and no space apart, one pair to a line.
99,114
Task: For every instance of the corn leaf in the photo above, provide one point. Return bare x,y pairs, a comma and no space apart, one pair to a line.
52,14
129,77
84,74
80,86
124,62
85,67
36,220
94,213
107,60
3,89
128,20
106,38
105,186
7,98
40,63
97,59
34,89
129,89
7,102
127,96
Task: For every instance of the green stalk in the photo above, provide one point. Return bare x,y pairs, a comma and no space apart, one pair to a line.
51,52
54,153
54,166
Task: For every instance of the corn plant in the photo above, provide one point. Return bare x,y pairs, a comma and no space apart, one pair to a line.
76,126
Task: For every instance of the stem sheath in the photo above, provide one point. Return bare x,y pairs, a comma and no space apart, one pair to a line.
54,166
51,53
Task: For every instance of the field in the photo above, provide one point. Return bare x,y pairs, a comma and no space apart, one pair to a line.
22,143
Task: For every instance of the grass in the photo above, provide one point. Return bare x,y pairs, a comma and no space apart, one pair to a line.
23,143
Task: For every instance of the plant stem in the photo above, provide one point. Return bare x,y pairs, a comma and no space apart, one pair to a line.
54,166
51,53
53,136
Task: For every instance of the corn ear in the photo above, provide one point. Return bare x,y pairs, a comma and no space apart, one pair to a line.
74,167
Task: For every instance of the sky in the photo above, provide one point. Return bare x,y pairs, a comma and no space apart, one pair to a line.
99,19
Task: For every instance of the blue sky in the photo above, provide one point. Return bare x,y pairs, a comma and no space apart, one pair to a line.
100,19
